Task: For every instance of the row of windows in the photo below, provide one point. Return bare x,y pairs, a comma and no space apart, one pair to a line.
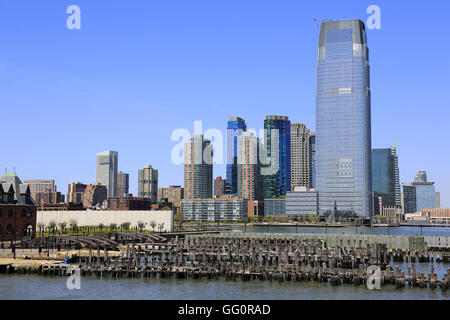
9,213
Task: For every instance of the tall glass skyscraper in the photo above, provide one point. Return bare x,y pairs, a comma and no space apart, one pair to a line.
343,125
312,149
277,184
235,127
383,175
107,164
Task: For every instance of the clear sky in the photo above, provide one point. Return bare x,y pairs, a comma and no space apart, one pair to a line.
137,70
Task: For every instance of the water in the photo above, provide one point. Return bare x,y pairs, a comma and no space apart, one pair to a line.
410,231
51,287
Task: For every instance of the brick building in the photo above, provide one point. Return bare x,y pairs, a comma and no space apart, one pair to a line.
17,208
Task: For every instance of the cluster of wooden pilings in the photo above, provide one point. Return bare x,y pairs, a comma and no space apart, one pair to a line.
252,259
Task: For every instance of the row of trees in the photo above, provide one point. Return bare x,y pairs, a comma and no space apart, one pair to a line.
73,227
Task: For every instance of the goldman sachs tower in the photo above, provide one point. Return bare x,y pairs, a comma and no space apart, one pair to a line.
343,136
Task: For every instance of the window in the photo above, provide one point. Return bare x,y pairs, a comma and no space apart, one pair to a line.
1,212
10,213
24,212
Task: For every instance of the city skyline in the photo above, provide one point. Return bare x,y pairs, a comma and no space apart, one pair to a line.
393,118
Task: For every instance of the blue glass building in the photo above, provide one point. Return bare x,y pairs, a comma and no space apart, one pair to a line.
383,175
235,127
278,184
343,125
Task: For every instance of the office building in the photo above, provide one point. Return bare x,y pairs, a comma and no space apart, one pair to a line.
198,168
302,201
301,163
274,207
44,192
123,183
148,183
107,164
438,200
383,175
409,198
224,209
343,125
277,140
421,176
235,127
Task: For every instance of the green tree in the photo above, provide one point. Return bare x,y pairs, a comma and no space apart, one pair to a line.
52,226
153,224
126,226
141,225
62,226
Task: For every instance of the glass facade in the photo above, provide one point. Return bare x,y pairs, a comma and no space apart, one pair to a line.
312,149
343,136
274,207
425,195
302,203
235,127
278,184
383,175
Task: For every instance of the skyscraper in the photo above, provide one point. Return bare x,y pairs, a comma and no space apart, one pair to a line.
75,191
300,156
148,183
107,163
235,127
249,169
122,184
409,198
198,168
312,149
383,175
398,201
343,126
219,187
425,192
276,185
421,176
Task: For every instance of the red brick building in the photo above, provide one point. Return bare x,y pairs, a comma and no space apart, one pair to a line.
17,208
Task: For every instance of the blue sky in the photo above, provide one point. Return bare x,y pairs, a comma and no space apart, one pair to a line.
137,70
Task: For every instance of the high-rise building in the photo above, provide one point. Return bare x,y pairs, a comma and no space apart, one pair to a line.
300,156
277,184
421,176
424,196
219,186
312,157
409,198
343,125
173,194
438,199
75,191
250,183
383,175
398,201
148,183
235,127
44,192
123,180
107,164
198,168
95,195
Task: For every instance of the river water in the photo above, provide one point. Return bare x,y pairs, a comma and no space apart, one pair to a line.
52,287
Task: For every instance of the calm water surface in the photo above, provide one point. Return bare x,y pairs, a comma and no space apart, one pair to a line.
36,287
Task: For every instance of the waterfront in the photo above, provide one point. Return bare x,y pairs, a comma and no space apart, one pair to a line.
407,231
33,286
